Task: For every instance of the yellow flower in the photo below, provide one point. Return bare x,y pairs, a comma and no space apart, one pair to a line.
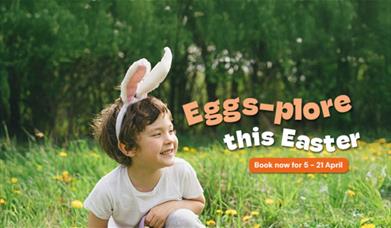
76,204
193,150
63,154
66,177
269,201
246,218
2,201
231,212
210,222
370,225
186,149
254,213
257,226
219,212
312,176
14,180
350,193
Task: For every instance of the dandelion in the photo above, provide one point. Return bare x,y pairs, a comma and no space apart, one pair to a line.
246,218
186,149
370,225
66,177
350,193
2,201
193,150
269,201
257,226
312,176
63,154
14,180
210,222
219,212
254,213
77,204
231,212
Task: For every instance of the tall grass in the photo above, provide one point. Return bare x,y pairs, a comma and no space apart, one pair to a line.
39,182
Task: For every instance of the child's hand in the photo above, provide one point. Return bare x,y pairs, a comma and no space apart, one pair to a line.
157,216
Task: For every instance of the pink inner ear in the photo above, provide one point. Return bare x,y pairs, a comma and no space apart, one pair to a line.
133,82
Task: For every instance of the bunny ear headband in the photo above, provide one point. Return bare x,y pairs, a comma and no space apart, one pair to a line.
139,80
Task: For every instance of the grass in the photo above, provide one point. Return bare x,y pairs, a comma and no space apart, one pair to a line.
42,185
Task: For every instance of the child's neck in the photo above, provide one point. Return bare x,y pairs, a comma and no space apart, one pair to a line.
144,180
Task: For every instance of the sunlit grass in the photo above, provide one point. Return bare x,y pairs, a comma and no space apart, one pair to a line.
44,185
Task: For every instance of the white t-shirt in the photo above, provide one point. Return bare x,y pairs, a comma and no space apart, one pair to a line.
114,197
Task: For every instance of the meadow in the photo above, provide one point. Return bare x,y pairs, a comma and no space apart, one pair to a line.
43,185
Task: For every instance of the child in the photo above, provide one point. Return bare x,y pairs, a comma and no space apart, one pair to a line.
150,186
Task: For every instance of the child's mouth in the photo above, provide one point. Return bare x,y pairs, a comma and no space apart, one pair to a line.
167,152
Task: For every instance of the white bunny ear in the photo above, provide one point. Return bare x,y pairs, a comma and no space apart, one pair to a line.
156,76
133,76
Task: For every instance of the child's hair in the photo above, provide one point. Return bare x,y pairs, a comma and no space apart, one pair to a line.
137,117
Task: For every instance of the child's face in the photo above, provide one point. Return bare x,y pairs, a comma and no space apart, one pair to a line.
157,144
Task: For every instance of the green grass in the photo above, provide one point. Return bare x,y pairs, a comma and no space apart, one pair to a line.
42,194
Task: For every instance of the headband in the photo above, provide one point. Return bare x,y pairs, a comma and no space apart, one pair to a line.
139,80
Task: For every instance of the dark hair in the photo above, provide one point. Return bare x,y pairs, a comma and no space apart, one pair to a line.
137,117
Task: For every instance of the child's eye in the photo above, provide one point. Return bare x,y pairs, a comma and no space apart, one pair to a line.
173,131
156,134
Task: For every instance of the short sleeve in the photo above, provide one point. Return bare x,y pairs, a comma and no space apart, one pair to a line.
190,185
99,201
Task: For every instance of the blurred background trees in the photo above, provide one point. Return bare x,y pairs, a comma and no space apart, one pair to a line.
60,61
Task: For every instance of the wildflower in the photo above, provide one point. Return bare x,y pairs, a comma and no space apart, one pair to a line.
186,149
63,154
193,150
350,193
14,180
246,218
76,204
66,177
231,212
2,201
370,225
269,201
312,176
257,226
254,213
219,212
210,223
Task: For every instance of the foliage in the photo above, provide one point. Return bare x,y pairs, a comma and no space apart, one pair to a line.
60,61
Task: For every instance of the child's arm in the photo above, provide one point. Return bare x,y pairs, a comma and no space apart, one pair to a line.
157,216
95,222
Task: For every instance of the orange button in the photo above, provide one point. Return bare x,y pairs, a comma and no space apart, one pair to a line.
299,165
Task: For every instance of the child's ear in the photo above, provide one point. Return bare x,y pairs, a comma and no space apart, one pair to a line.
128,153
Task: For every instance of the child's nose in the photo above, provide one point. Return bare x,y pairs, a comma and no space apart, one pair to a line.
169,138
